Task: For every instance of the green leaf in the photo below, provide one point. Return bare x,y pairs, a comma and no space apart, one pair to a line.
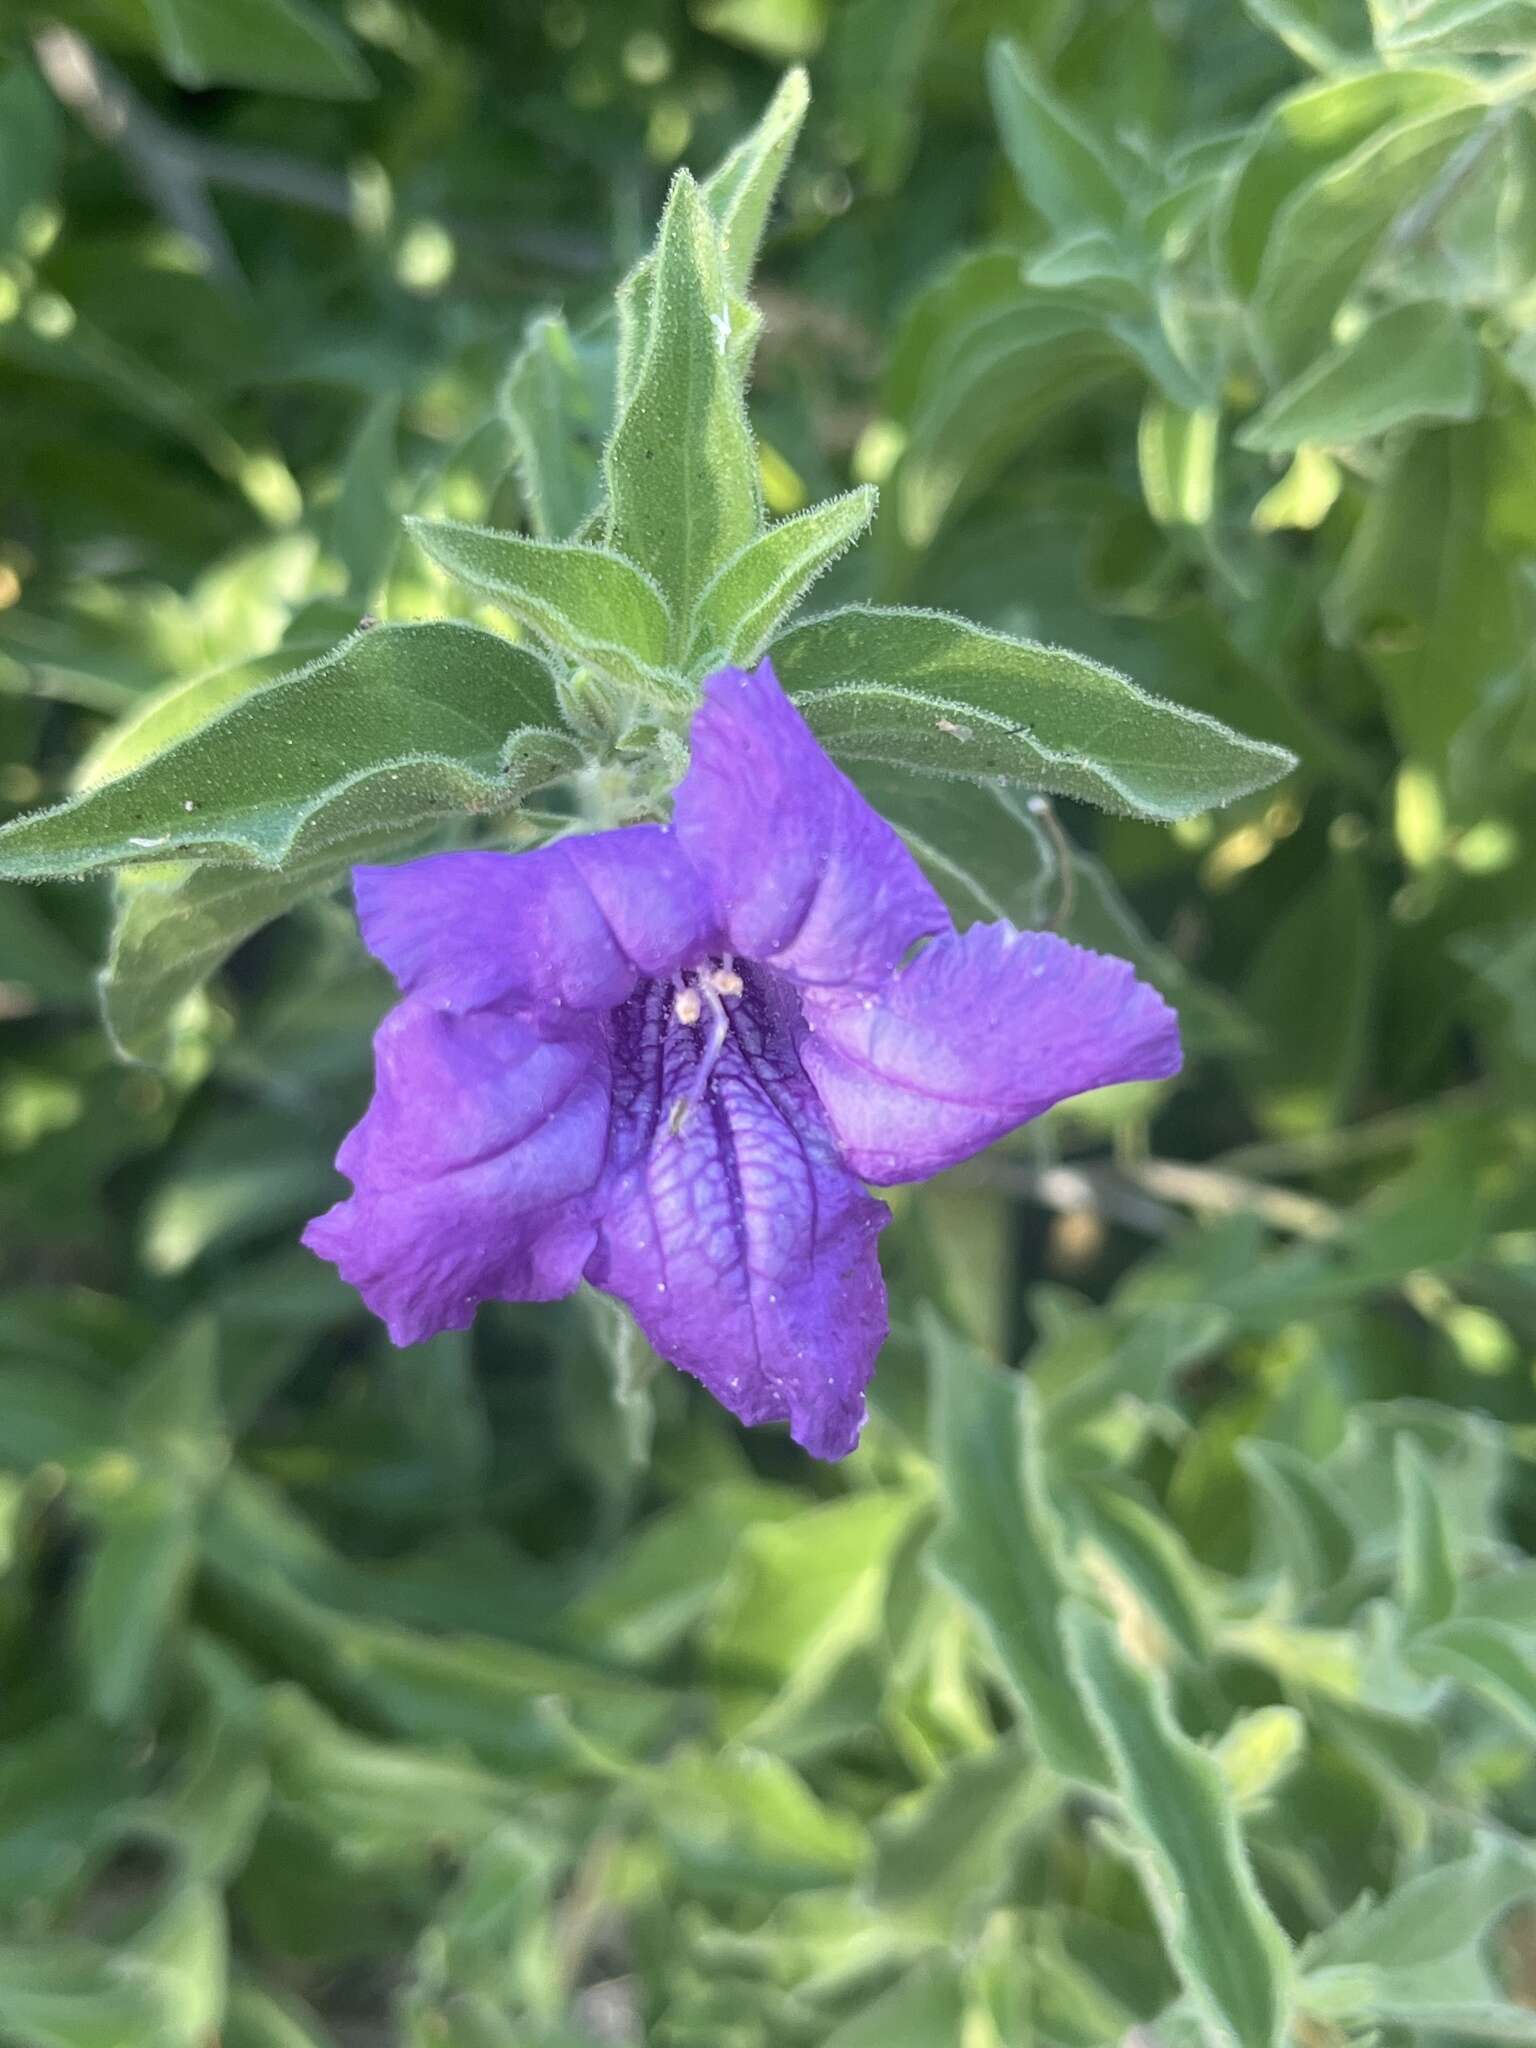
681,467
557,403
1222,1939
31,145
798,1623
1302,499
1489,1658
742,1821
1418,1957
588,604
1426,1563
214,1805
1062,169
166,715
985,359
379,1803
925,2008
1457,28
1414,363
400,725
64,1786
1309,1532
1132,1544
941,1859
254,2018
1176,449
1310,130
656,1587
273,45
741,609
1432,1915
1000,1546
777,29
134,1588
1259,1752
166,1985
1326,234
1311,30
739,193
873,75
1097,1361
740,190
177,924
42,969
1311,982
361,527
171,1410
1425,589
923,690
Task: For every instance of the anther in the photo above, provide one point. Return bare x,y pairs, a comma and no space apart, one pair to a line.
725,981
687,1006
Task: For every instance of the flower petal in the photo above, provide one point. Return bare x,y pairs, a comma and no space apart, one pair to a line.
982,1031
573,923
806,877
474,1167
744,1247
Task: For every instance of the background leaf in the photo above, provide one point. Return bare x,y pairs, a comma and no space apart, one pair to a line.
1227,1947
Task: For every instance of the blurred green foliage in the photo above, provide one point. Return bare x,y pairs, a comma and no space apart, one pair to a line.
502,1691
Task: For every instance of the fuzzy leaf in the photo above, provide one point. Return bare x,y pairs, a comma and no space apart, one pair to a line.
1062,170
1176,448
556,402
1426,1562
924,690
1419,1957
275,45
1000,1546
398,726
1309,1535
1414,363
589,605
739,612
133,1589
1222,1939
984,360
1325,236
1446,28
681,468
740,190
1489,1658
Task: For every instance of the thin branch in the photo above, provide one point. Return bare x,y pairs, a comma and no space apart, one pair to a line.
164,164
1321,1151
1152,1195
1209,1191
269,174
1081,1190
175,169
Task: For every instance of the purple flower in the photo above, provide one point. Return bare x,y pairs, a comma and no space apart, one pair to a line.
666,1059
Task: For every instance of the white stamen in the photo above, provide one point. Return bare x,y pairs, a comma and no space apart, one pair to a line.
719,1031
687,1006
